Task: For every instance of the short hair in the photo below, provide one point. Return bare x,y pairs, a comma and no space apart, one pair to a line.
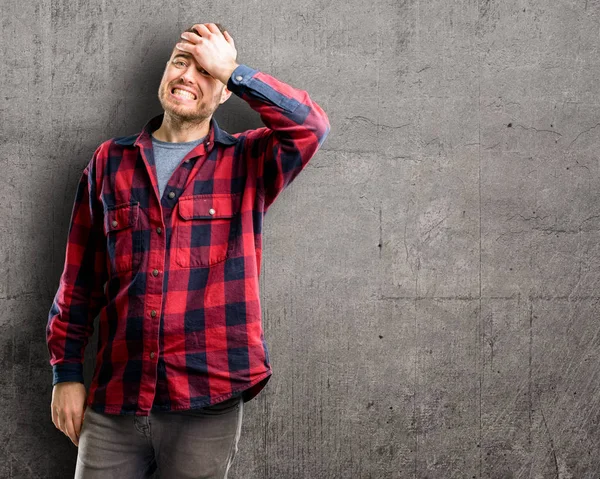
218,25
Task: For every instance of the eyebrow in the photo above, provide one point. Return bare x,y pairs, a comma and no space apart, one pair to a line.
187,55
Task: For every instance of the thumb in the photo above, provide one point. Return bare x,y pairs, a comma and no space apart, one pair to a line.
82,419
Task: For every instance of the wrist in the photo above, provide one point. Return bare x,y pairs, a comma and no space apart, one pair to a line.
226,73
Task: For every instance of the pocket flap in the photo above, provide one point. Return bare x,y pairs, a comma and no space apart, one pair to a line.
209,206
121,216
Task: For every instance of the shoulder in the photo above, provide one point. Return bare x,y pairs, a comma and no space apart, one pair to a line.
108,148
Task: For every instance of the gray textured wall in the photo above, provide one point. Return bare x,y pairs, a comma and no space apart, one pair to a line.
429,281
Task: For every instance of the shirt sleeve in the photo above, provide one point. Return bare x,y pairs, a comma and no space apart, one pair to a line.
296,127
80,294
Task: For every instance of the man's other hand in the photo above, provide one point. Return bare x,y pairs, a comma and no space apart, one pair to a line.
68,403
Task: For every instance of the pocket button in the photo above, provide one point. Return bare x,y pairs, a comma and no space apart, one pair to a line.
123,239
205,228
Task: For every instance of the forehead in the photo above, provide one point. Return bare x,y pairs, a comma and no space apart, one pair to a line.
178,53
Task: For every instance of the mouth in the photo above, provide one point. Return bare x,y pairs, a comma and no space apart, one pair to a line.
182,95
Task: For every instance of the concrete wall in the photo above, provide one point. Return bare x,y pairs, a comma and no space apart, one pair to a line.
429,281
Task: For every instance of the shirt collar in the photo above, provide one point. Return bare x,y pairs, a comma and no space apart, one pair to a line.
144,138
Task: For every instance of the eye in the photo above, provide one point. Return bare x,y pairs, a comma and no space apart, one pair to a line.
203,71
179,61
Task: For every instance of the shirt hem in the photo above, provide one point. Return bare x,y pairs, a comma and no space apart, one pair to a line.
118,410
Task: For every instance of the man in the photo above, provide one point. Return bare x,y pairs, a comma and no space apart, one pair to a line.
165,244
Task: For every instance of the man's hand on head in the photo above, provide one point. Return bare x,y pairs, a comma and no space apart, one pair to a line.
213,50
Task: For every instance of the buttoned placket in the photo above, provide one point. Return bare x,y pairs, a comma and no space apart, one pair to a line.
157,258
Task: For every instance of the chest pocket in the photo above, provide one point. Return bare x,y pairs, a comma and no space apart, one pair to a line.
205,229
123,238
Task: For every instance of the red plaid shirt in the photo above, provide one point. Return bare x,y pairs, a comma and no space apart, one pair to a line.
175,279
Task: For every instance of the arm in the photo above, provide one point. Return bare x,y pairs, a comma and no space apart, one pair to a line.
80,294
295,125
295,129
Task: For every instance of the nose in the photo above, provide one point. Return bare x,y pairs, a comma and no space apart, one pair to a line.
186,76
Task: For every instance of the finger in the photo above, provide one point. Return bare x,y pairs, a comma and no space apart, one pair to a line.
192,37
77,421
190,40
71,430
60,421
212,27
228,38
202,30
76,429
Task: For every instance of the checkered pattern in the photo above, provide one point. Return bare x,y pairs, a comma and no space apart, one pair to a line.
175,279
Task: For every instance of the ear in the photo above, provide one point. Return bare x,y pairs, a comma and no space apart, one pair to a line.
225,94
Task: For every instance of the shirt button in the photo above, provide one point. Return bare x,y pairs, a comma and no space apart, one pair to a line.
239,77
171,194
114,223
155,272
153,313
186,161
211,211
152,355
159,230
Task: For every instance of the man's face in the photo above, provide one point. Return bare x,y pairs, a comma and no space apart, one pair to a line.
183,73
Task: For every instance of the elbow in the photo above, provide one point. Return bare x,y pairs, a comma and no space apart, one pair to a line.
323,132
321,124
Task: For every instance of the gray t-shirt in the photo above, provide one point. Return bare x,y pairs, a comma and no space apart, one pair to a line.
167,156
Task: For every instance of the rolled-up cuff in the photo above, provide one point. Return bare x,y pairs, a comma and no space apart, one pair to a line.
67,372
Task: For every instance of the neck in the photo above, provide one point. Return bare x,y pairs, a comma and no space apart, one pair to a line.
177,130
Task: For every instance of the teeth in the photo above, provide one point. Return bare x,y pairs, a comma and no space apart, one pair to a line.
183,93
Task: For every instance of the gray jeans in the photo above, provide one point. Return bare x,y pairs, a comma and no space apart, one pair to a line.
184,444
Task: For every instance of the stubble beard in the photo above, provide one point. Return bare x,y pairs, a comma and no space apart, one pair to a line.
181,114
